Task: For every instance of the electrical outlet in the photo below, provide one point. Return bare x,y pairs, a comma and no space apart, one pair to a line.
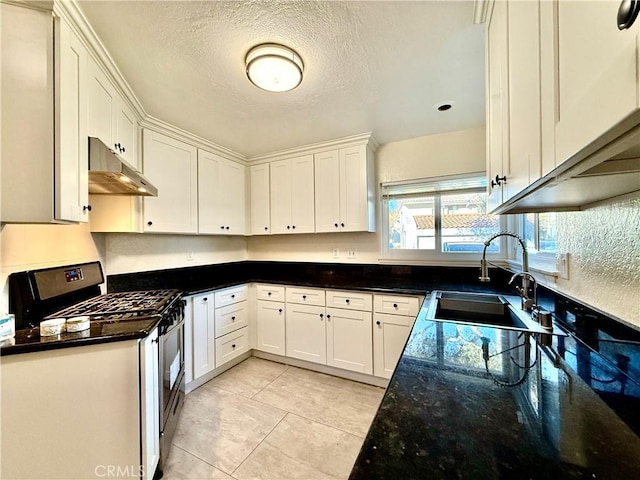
351,253
190,256
336,253
562,265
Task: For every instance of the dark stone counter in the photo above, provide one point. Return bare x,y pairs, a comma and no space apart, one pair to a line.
448,414
100,331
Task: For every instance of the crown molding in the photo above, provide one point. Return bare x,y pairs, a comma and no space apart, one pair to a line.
352,140
70,10
177,133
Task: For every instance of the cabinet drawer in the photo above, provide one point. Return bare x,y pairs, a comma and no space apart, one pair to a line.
231,345
349,300
230,318
230,295
270,292
389,319
305,296
396,304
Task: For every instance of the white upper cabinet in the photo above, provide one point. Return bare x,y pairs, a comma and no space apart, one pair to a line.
221,195
292,195
497,109
260,203
344,189
71,158
172,166
44,172
109,117
597,74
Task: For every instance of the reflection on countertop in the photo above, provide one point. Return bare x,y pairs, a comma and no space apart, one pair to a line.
469,401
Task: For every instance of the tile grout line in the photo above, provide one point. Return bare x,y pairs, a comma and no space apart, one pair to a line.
260,442
252,397
173,445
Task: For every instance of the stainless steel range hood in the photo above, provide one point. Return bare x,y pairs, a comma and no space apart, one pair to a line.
110,174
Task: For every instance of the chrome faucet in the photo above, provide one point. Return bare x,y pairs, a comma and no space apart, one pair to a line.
526,303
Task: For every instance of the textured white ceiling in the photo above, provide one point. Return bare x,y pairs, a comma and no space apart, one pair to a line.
369,66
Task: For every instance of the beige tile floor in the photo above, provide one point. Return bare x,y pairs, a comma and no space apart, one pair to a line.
264,420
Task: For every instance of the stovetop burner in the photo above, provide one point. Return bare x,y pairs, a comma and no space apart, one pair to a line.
129,304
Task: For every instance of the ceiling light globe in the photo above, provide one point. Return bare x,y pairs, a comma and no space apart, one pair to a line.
274,68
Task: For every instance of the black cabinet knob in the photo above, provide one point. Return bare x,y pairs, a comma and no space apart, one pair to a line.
117,145
233,345
321,316
124,149
304,297
233,319
347,300
288,227
205,299
149,223
395,305
233,295
336,225
227,227
268,294
221,227
328,317
627,13
86,208
294,227
342,224
378,322
266,228
279,310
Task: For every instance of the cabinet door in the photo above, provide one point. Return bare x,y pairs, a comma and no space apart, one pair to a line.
390,334
260,208
203,328
150,407
172,166
126,135
101,103
497,103
302,195
210,209
327,191
524,96
597,73
349,340
305,333
280,181
233,197
270,324
356,190
71,191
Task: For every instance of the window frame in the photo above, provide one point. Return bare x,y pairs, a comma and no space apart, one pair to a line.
435,256
543,262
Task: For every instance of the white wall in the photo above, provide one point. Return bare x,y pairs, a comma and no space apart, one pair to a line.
27,247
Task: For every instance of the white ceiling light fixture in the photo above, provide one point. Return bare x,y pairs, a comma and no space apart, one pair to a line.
274,67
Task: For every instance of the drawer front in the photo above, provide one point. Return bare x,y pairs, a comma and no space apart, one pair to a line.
231,345
389,319
274,293
231,295
305,296
396,304
230,318
350,300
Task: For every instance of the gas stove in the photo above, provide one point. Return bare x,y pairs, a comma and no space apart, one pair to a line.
121,305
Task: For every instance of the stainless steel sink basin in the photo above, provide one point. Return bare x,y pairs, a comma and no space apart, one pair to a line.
476,308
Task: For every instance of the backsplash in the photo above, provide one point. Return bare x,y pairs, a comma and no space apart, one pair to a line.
604,247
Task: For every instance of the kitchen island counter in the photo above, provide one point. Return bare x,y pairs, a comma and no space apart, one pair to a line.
444,415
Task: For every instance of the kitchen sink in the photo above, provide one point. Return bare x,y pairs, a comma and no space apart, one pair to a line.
476,308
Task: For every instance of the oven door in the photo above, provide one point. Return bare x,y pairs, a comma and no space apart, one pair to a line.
172,366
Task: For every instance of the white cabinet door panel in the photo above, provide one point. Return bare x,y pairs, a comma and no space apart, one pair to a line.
270,323
260,201
150,407
349,340
172,166
327,191
390,334
203,334
305,333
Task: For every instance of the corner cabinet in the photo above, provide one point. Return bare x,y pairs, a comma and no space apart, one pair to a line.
172,166
221,195
270,319
344,190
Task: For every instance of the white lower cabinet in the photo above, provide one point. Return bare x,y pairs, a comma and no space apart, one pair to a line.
149,404
270,319
393,319
349,340
306,333
231,345
202,335
231,323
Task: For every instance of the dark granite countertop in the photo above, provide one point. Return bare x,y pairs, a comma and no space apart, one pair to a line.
100,331
447,415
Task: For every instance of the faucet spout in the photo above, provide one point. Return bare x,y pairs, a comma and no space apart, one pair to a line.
484,268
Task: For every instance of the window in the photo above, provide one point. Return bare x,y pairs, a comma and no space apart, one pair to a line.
539,232
438,218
